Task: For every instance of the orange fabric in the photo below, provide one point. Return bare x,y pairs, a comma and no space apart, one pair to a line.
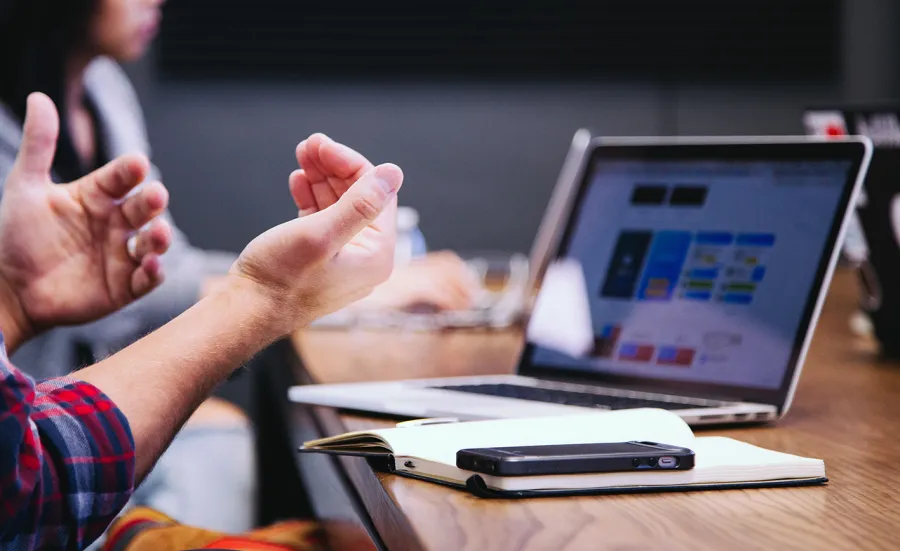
143,529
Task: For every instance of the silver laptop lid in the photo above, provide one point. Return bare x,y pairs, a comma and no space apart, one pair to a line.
554,221
695,266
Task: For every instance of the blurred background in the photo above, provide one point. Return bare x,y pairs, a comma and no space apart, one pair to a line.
478,102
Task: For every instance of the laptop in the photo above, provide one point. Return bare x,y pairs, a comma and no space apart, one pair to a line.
688,275
872,244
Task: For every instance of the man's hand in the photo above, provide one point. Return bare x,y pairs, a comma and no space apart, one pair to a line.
340,248
63,248
439,280
285,278
328,169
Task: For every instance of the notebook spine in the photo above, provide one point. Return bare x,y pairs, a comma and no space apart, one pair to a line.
476,485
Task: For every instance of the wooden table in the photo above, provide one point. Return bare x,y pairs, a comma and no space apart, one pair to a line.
846,411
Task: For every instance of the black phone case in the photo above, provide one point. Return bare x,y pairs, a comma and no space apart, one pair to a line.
584,464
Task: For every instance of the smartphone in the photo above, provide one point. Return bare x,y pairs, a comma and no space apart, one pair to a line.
575,459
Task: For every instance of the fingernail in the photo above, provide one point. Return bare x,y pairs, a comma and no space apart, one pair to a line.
131,247
389,177
385,185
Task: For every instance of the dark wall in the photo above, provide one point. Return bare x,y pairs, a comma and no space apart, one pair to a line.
359,40
480,156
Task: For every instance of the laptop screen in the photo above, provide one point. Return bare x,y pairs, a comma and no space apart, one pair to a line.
681,267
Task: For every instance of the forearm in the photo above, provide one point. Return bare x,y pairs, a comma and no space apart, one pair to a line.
159,381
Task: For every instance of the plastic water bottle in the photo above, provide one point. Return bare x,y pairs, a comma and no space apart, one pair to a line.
856,251
855,247
410,240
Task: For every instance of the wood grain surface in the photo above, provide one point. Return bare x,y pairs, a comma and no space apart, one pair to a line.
846,411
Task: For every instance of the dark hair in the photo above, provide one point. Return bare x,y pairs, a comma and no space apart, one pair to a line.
36,36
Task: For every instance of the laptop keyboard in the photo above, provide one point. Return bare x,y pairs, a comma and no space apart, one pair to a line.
568,397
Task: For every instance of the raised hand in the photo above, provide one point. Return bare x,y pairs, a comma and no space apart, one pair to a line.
285,278
440,280
64,257
340,248
327,170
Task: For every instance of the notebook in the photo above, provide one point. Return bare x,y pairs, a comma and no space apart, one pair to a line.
429,452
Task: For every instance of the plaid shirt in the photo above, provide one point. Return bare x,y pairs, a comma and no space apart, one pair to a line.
66,461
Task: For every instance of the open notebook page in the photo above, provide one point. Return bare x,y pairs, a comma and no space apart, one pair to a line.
432,449
439,443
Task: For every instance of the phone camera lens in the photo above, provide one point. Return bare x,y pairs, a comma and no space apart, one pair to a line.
651,462
636,462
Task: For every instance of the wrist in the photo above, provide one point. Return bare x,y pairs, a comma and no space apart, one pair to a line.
14,322
269,315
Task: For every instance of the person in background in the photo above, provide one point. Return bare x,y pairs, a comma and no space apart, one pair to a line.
70,50
73,448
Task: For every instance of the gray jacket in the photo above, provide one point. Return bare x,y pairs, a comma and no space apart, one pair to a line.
122,124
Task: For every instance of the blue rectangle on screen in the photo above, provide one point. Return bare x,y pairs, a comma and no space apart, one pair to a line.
704,273
667,354
624,270
714,238
628,350
737,298
664,264
697,295
759,273
756,239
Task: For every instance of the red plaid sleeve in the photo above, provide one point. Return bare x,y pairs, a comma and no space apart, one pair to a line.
66,461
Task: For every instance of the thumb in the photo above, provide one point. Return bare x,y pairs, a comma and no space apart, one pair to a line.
39,136
362,203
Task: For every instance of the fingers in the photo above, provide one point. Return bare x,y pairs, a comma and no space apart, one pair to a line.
152,240
309,196
324,194
113,180
147,276
446,296
362,205
308,157
145,205
39,136
451,284
456,269
302,193
343,162
329,169
459,294
316,175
